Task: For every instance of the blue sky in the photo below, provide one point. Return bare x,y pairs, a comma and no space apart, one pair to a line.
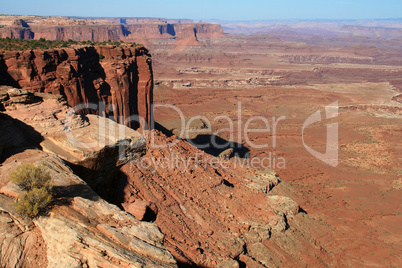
210,9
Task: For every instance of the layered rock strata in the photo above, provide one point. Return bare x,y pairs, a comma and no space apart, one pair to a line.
110,81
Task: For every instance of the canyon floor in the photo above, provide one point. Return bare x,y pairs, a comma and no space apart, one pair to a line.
293,76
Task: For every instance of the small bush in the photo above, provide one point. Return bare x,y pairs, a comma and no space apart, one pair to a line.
22,44
37,185
29,176
31,203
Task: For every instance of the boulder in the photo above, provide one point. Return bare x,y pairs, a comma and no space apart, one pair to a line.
10,95
141,210
283,205
264,180
277,223
229,264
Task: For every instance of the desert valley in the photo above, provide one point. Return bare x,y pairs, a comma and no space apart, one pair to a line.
133,119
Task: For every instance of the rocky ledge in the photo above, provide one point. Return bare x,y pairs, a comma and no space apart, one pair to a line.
81,229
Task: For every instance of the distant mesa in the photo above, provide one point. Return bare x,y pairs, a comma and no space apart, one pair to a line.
105,29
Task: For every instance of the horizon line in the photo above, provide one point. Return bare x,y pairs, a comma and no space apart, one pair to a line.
212,19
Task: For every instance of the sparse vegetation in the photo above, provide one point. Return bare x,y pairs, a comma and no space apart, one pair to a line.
31,203
14,44
37,185
29,176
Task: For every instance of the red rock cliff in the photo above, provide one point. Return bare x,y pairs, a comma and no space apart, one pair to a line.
113,32
113,81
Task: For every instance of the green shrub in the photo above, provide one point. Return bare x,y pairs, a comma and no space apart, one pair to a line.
22,44
101,56
33,202
29,176
64,44
37,185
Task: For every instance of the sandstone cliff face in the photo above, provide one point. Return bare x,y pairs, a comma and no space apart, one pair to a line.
201,30
113,32
119,86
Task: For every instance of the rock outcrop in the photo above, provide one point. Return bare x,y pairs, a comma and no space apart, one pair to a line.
81,229
22,244
106,80
94,146
219,213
